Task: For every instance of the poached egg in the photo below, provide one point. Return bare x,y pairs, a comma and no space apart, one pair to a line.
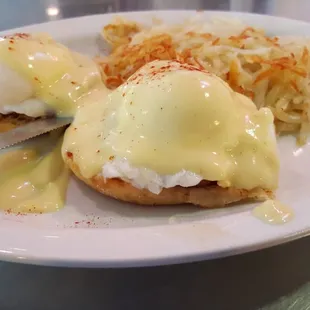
39,76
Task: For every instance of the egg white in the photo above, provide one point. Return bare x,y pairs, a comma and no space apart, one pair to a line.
17,95
146,178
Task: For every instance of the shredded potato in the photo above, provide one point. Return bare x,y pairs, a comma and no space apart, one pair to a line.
272,71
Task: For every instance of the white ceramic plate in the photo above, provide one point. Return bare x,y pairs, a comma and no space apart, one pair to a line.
93,230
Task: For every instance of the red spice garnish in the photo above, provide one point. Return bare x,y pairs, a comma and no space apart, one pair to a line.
123,94
73,83
76,222
70,155
10,48
111,157
98,151
88,222
36,79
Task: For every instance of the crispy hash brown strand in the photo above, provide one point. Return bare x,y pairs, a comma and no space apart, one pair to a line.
206,194
271,73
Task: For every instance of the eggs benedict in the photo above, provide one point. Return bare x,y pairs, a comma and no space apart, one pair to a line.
174,134
41,77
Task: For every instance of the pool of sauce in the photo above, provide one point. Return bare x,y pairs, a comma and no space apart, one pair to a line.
33,177
273,212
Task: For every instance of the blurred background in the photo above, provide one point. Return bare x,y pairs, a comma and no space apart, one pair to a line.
23,12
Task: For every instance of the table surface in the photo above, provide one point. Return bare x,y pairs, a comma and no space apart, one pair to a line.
275,278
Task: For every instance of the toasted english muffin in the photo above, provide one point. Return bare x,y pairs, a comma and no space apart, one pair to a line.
13,120
206,194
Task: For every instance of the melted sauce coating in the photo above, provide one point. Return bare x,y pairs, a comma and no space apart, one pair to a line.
168,117
273,212
33,178
59,77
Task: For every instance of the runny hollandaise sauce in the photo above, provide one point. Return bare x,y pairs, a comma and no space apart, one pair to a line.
170,116
34,178
46,71
48,77
273,212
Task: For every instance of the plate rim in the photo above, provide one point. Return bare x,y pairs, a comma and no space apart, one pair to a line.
145,12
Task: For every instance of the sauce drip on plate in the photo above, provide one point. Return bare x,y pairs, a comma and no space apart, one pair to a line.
273,212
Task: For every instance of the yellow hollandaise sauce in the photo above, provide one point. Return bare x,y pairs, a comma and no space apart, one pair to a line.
33,178
59,77
273,212
170,116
